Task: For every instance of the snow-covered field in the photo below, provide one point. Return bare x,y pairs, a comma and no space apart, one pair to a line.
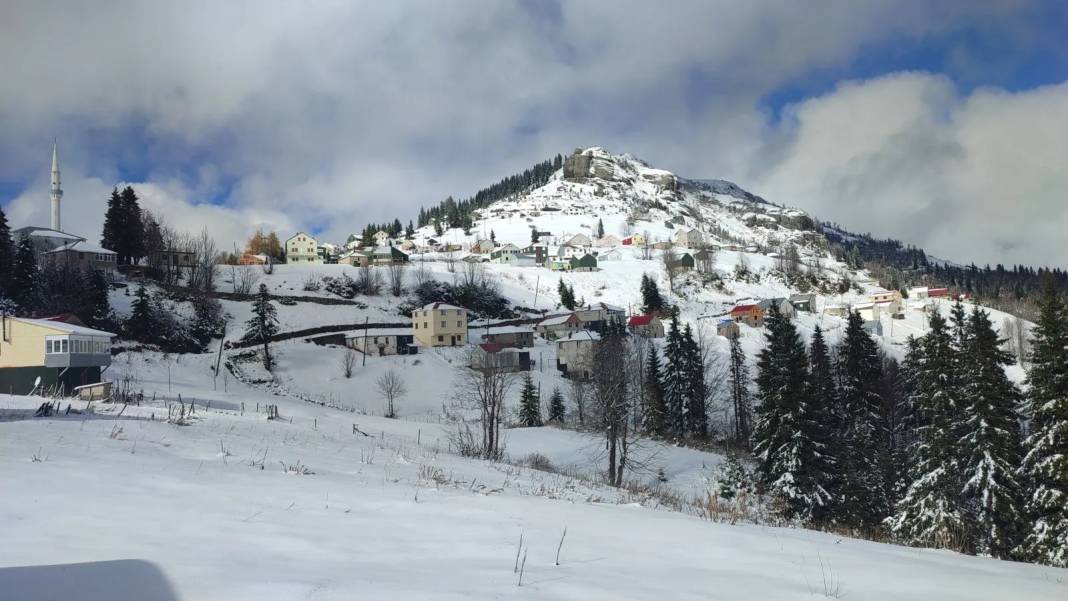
392,516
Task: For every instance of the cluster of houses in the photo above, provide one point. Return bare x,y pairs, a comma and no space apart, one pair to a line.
507,345
303,249
752,313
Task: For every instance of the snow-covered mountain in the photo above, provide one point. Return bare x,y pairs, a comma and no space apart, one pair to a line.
632,197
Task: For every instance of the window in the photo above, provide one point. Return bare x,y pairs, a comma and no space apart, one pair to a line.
443,323
416,324
441,339
425,325
63,344
459,324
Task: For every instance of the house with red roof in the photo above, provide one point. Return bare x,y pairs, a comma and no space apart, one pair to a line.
751,314
649,326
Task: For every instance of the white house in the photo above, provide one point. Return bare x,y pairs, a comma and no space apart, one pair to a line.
302,248
579,240
689,238
381,238
613,254
575,353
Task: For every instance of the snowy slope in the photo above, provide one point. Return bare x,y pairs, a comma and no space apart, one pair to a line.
390,516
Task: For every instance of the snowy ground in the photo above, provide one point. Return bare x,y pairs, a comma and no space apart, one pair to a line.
391,516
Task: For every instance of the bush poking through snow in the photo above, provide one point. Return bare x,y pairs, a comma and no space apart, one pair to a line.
296,469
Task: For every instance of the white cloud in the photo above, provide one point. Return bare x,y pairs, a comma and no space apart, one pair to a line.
978,177
330,115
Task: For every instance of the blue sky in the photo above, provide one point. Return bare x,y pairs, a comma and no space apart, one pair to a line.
325,117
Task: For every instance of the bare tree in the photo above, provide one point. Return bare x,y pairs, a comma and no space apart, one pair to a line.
578,396
706,259
449,256
391,387
670,260
647,246
422,273
205,256
484,386
348,362
244,278
368,280
610,397
395,272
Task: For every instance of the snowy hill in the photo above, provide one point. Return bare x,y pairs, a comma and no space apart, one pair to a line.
233,506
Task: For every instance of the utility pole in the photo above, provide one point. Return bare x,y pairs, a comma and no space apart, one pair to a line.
365,318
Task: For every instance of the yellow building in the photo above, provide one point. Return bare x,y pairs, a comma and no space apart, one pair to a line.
61,354
302,248
440,324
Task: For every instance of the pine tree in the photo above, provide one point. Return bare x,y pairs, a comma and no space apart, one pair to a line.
788,439
930,513
533,235
676,382
7,255
1045,465
652,302
111,238
22,289
263,324
96,295
990,443
556,406
493,236
409,232
143,323
863,502
654,413
133,233
600,228
696,391
827,413
529,404
567,295
740,397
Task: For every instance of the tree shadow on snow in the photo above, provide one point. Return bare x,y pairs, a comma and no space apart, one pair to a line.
119,580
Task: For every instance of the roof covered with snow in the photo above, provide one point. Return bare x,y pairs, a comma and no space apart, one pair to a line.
60,326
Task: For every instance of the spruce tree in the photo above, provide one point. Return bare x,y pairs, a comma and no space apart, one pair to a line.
654,413
930,513
863,502
529,404
96,293
567,295
696,390
600,228
652,302
787,439
111,238
7,255
143,323
991,450
740,397
23,286
827,412
556,406
263,324
1045,465
675,380
133,232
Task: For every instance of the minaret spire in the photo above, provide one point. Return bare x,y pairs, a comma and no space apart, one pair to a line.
57,191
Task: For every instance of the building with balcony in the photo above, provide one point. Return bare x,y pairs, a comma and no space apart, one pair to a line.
62,355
